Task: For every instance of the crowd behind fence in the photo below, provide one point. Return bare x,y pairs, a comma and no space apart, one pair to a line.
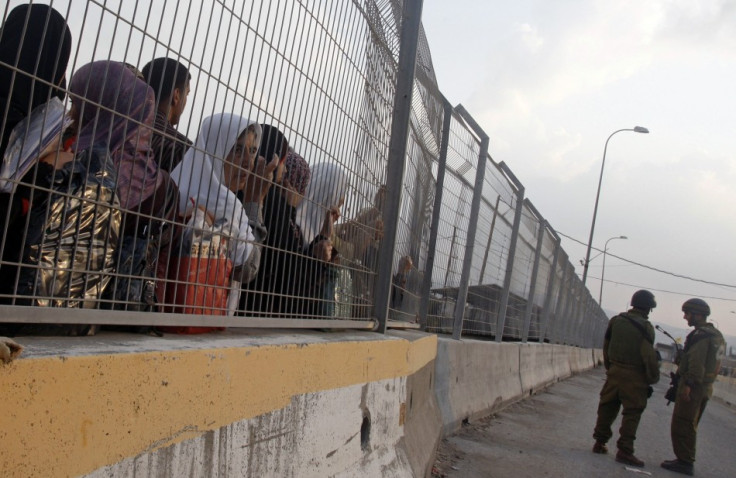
189,166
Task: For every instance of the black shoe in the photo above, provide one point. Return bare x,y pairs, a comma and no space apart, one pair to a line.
679,466
628,459
600,448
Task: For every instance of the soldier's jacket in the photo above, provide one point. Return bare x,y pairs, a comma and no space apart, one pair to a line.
701,358
631,347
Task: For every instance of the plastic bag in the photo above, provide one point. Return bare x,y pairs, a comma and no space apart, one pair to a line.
29,138
199,280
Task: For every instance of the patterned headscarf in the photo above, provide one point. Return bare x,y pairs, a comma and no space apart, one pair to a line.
115,87
297,171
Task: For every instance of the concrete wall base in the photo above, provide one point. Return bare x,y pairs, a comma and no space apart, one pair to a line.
477,378
274,403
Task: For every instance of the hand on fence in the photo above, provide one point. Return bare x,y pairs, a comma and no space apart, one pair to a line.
328,226
378,225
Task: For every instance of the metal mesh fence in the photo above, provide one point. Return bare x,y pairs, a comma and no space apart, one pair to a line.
196,165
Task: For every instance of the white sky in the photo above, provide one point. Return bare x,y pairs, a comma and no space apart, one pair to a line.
549,81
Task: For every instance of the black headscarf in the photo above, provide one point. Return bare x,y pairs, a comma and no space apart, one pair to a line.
273,142
36,40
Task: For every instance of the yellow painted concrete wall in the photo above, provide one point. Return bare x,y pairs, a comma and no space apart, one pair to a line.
72,414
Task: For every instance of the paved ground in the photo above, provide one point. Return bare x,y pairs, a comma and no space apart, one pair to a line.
549,435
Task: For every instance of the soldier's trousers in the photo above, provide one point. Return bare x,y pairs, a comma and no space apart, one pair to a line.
627,389
685,419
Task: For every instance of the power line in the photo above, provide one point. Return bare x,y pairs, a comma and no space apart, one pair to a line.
661,290
673,274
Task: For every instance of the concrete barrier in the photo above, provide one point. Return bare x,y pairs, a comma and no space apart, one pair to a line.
226,404
474,378
598,357
266,403
561,361
477,378
580,359
537,367
725,390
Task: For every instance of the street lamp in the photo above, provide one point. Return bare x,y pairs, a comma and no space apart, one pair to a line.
636,129
603,270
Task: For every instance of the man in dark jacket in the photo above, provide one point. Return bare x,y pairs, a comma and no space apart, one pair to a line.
170,82
631,368
697,370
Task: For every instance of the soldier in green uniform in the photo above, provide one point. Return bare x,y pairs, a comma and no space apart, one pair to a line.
697,370
631,368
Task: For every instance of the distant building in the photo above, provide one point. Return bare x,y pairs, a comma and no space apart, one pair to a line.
728,364
666,351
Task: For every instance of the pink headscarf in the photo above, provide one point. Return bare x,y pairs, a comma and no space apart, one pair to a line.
113,86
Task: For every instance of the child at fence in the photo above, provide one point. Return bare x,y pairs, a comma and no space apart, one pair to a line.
360,237
36,41
222,163
316,217
114,109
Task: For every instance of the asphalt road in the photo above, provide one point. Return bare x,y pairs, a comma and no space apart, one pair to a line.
550,435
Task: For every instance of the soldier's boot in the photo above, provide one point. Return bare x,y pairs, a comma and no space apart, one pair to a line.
600,448
679,466
628,459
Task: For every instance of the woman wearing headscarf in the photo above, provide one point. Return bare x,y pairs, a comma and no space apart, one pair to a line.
316,217
221,164
36,41
35,44
279,289
113,109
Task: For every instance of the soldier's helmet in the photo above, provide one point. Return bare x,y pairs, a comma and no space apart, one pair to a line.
643,299
696,307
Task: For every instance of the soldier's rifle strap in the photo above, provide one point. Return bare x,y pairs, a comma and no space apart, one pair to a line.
693,339
640,328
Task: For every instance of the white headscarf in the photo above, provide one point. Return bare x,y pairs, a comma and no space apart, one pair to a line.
328,185
200,179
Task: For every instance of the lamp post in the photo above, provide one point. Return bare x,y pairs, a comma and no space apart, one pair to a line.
603,270
636,129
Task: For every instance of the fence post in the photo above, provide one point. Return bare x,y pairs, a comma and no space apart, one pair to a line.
593,313
579,314
480,172
575,313
436,209
543,323
582,321
535,271
601,322
563,317
582,333
411,16
572,314
602,326
490,237
501,318
553,335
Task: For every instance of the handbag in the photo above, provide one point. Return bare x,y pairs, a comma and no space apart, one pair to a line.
71,237
199,279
